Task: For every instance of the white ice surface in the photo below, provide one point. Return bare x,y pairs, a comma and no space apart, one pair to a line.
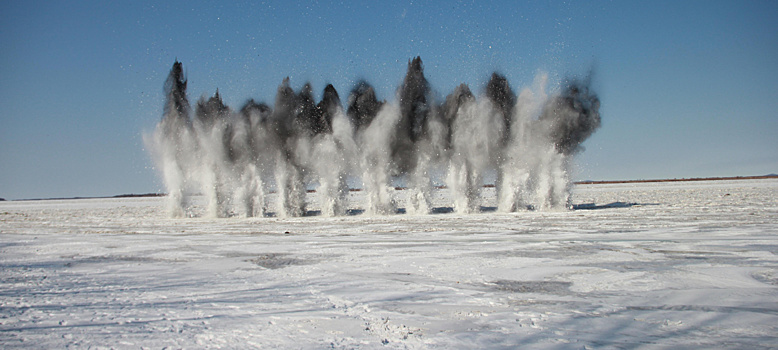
663,265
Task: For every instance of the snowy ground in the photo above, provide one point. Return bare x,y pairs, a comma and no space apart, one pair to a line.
661,265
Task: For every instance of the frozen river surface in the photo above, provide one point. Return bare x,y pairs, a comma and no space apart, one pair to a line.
659,265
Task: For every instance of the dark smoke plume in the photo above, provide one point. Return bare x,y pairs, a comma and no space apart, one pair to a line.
499,91
414,107
326,109
283,110
255,113
175,92
450,109
177,109
305,114
363,105
574,116
211,110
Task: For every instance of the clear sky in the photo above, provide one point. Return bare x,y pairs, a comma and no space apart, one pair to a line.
688,88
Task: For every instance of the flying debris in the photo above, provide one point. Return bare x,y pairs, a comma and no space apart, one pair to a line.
238,159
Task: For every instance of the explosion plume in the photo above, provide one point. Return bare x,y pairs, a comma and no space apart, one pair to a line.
237,158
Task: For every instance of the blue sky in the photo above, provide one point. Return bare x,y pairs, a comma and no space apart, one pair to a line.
688,88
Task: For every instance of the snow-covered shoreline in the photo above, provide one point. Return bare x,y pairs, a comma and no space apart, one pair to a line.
670,265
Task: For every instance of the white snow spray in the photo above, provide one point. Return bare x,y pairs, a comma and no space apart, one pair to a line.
236,159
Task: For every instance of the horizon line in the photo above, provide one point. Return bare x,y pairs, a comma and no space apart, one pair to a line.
583,182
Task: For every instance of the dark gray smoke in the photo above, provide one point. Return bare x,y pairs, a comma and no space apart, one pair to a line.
414,105
326,110
574,115
176,110
460,97
363,105
305,114
283,117
499,91
211,110
415,108
263,159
